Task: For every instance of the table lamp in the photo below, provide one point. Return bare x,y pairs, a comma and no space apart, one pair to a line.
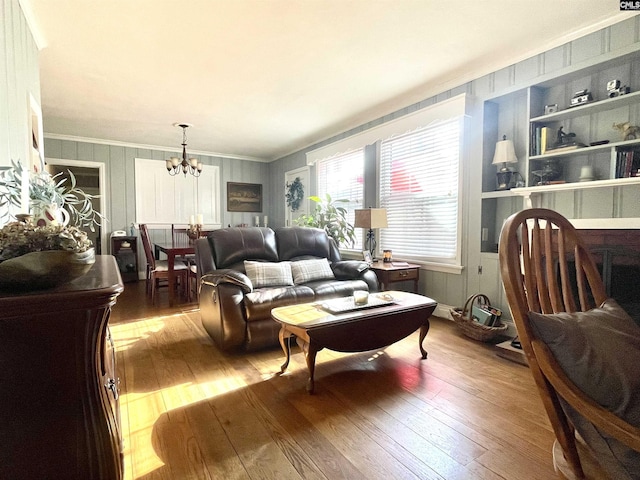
505,153
371,218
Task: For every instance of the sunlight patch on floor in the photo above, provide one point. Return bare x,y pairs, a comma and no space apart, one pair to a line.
127,334
145,408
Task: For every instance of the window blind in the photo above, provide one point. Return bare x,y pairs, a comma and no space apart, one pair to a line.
342,177
419,183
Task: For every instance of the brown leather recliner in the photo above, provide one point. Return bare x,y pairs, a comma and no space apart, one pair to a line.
238,316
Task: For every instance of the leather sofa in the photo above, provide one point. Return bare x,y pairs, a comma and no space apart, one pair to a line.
236,313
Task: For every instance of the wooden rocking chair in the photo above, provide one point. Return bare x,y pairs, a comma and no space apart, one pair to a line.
547,269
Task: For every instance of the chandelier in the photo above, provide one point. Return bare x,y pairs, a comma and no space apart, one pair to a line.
175,165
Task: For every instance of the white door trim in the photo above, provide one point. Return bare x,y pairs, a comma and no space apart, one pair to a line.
102,186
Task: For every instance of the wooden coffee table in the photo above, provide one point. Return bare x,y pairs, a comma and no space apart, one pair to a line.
353,331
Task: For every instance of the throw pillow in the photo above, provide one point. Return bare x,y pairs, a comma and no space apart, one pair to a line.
308,270
267,274
599,350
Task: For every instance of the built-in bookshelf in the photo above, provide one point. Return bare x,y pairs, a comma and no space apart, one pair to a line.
591,159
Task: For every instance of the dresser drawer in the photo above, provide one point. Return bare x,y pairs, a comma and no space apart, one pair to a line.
401,275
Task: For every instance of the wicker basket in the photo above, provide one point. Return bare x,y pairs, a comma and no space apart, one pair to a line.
471,328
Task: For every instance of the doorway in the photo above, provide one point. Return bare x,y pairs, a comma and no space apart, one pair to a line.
90,177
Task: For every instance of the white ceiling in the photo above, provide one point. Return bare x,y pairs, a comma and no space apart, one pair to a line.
264,78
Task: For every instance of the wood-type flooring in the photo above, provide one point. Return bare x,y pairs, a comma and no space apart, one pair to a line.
191,412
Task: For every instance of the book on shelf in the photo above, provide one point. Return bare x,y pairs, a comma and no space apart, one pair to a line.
627,163
542,139
546,136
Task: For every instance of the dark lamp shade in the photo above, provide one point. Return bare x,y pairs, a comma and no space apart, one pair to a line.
371,218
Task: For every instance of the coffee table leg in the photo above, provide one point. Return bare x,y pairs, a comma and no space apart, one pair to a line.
285,342
424,329
311,365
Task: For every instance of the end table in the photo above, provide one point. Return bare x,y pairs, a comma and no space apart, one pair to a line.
391,272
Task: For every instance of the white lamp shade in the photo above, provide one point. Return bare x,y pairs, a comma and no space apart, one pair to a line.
505,153
371,218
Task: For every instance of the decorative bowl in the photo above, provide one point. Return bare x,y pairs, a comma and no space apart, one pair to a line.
44,269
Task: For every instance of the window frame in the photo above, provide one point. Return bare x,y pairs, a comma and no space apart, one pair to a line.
447,265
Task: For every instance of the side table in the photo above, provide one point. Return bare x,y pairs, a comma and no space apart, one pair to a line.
125,249
391,272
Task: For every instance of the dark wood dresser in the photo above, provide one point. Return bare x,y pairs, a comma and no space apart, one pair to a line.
59,411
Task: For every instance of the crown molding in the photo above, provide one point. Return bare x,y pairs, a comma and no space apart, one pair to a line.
36,33
456,80
100,141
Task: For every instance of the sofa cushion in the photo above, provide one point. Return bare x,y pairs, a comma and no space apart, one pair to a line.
268,274
336,288
258,304
599,350
231,246
303,242
308,270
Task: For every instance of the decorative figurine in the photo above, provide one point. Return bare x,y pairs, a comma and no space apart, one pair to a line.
565,139
629,132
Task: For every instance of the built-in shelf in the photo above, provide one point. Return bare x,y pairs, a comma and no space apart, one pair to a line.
614,182
499,194
589,108
585,150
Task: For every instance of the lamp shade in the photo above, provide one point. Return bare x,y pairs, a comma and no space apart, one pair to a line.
505,152
371,218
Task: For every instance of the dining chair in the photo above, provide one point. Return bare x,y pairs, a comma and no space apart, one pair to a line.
179,235
158,270
194,287
559,305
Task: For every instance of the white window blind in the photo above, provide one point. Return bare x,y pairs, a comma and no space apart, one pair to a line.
419,183
342,177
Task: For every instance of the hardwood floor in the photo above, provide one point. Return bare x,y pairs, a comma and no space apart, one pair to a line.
191,412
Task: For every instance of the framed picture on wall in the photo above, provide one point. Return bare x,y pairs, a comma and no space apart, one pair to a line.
244,197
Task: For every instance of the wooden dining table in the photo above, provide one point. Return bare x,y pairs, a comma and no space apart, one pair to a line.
173,249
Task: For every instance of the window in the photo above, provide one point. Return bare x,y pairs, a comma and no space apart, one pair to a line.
419,183
342,177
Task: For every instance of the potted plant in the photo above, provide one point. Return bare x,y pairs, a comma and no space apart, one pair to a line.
42,250
331,218
52,200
